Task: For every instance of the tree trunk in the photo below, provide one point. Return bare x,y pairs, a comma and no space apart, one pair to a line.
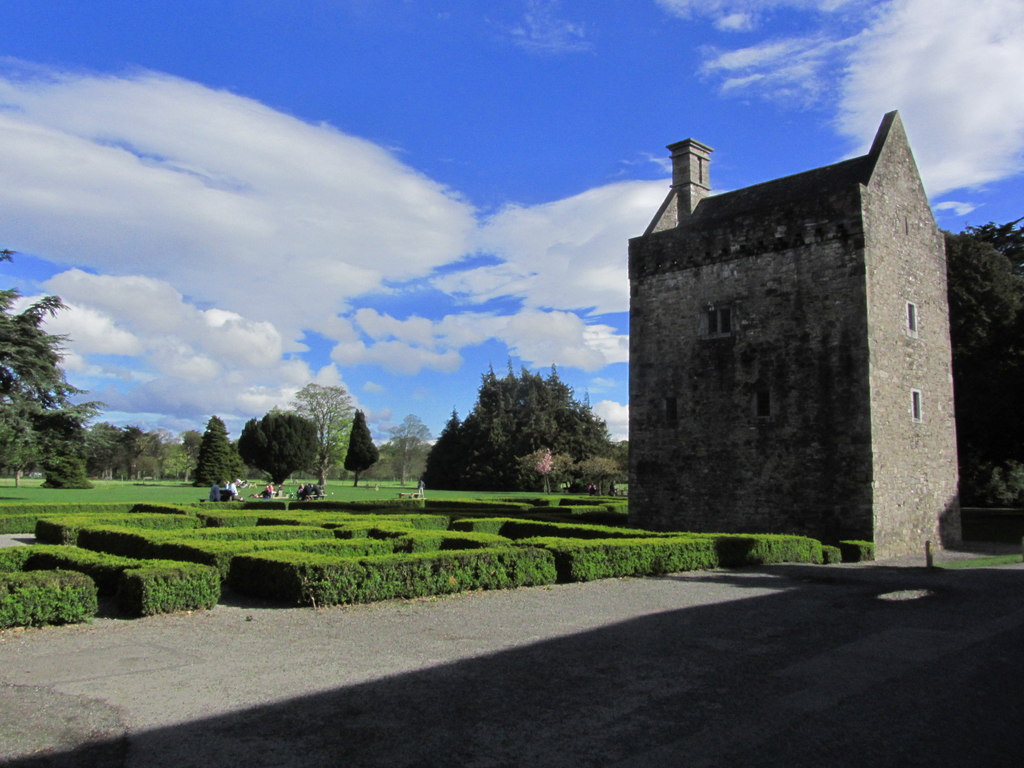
356,481
17,478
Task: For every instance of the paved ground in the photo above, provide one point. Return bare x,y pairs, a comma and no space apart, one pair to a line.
884,665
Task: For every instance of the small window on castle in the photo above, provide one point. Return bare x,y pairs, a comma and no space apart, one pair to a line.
762,404
916,411
671,411
912,319
718,321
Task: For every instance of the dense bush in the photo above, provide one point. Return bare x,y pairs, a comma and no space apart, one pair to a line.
21,518
831,555
167,587
855,551
515,528
104,569
589,559
64,529
12,559
46,597
219,554
357,506
738,550
432,541
312,579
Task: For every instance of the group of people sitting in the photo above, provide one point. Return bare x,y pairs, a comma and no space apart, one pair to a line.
309,492
229,492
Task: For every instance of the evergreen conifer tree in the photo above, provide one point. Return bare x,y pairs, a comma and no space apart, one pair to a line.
362,453
279,444
218,460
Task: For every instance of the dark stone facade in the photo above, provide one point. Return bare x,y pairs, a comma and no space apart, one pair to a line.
789,356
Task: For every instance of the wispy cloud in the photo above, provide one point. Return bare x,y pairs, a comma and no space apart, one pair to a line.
541,30
744,15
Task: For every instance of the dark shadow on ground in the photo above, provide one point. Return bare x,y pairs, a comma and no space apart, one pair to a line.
818,673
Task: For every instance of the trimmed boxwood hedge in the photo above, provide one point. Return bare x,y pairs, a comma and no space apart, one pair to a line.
356,506
312,579
21,518
433,541
515,528
590,559
102,568
166,587
219,554
738,550
831,555
64,529
857,551
132,542
35,598
481,504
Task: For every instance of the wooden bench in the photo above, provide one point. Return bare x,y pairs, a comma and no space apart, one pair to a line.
412,495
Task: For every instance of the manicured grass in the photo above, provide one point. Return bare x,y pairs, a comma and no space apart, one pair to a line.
983,562
169,492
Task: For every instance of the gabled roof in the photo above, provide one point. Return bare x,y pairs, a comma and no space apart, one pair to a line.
799,188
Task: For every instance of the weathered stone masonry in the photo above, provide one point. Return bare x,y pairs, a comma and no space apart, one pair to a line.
790,360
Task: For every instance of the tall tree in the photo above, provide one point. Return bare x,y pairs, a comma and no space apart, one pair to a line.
330,410
986,309
362,453
445,461
410,442
35,394
515,416
279,444
218,460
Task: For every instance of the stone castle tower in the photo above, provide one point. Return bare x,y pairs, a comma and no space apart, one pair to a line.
789,356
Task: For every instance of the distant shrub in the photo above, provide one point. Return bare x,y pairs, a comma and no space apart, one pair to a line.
856,551
46,597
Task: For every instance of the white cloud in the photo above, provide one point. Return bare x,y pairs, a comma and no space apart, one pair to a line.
214,193
616,416
542,31
953,71
742,15
957,207
568,254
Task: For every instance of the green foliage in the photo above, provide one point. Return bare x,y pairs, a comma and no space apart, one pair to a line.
330,410
279,444
219,554
362,453
65,472
408,447
515,528
168,587
986,308
855,551
514,416
831,555
316,579
64,529
431,541
46,597
218,461
586,560
738,550
104,569
13,559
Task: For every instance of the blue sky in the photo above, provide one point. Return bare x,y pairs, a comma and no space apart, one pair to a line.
236,198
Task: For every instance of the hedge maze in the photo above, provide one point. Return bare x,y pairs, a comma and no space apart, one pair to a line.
149,559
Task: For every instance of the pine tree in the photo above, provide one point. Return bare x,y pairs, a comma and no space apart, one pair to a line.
362,453
218,460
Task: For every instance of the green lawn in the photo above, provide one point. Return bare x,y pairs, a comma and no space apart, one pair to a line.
170,492
982,562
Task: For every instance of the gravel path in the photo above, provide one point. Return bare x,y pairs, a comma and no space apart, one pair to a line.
780,666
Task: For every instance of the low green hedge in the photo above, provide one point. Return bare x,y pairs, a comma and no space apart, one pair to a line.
356,506
589,501
132,542
227,519
738,550
64,529
589,559
831,555
481,504
35,598
12,559
316,579
515,528
164,509
264,504
432,541
219,554
104,569
857,551
166,587
21,518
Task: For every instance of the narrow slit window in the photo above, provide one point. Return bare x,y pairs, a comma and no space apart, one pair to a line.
912,318
762,404
916,411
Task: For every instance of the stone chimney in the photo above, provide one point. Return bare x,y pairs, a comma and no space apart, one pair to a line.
691,182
